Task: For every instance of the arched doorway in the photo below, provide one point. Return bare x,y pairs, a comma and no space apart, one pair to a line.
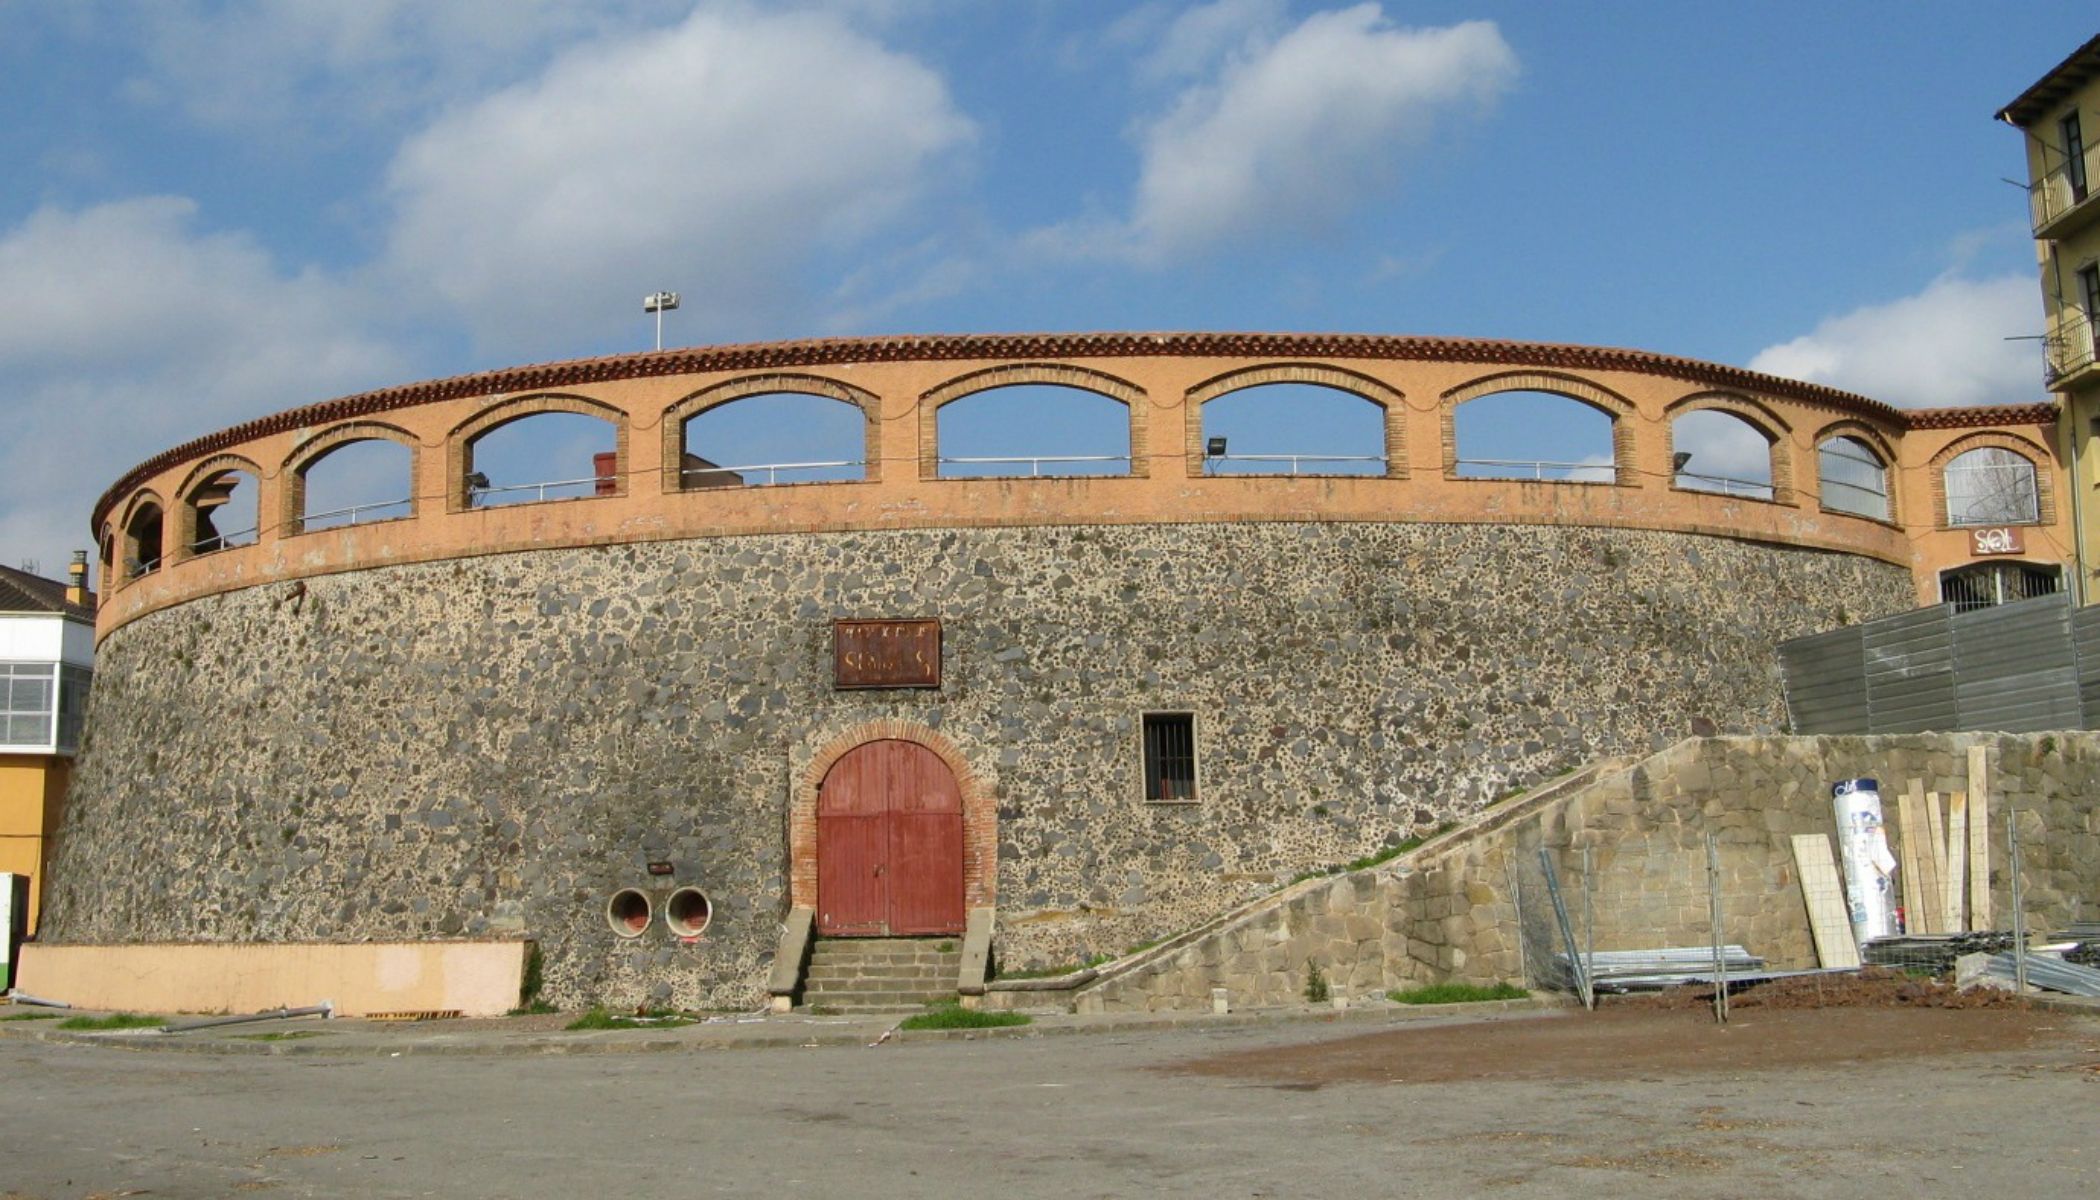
889,843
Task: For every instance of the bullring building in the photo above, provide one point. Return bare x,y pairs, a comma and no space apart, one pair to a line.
650,709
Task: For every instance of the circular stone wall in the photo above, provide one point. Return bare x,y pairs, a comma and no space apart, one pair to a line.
494,746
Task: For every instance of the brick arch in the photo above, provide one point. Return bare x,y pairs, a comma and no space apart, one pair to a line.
291,475
1391,403
459,443
1574,387
1130,395
2036,456
186,501
980,812
1776,430
1875,441
692,405
127,544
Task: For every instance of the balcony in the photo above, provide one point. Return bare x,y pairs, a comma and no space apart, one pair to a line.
2070,351
2062,201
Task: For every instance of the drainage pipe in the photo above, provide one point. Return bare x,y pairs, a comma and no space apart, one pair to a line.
26,998
324,1009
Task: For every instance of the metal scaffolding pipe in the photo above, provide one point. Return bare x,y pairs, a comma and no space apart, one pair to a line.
323,1009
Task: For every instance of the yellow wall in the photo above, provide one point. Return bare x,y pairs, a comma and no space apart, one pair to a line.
479,979
32,798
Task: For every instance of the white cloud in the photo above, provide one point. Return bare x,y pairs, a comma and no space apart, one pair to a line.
1945,345
124,330
1196,40
1292,132
721,159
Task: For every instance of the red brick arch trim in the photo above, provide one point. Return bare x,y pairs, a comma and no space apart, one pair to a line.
1775,429
186,497
980,811
1874,440
1130,395
1574,387
459,444
2036,456
1392,405
291,490
688,407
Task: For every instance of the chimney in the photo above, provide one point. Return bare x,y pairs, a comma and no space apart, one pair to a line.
76,579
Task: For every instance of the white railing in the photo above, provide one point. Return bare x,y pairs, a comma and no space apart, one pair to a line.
355,514
1035,463
1855,499
1519,468
225,541
2061,189
1294,460
1727,485
477,497
2070,345
772,471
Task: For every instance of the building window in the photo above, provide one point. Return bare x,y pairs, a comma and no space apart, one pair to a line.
1991,486
73,683
2074,156
1170,756
1982,585
1853,479
27,703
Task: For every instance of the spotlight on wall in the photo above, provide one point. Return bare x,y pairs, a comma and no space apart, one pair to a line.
1678,460
477,481
659,303
1214,448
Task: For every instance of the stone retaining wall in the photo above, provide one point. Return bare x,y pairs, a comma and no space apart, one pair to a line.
1451,911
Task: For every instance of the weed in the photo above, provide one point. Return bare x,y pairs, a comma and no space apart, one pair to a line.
113,1021
32,1016
825,1010
1143,946
1319,810
951,1015
1456,993
2047,745
538,1008
529,987
1316,990
944,948
655,1018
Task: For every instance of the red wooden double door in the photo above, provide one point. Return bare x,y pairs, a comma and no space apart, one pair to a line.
889,843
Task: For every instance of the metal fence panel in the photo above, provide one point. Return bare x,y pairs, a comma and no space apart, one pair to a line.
1826,682
1909,664
2085,645
2015,667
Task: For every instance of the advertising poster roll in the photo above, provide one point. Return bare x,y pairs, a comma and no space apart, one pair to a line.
1863,848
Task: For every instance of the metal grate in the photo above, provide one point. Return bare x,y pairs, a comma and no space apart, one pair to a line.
1170,756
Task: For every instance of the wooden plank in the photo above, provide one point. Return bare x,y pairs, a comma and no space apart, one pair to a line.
1910,832
1936,865
1957,861
1979,837
1828,920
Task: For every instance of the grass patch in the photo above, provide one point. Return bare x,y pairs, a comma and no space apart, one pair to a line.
32,1016
538,1008
113,1021
282,1035
951,1015
1457,993
655,1018
1382,855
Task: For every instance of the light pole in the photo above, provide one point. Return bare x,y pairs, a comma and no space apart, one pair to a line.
659,303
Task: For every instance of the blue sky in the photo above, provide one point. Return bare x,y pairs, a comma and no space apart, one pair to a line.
218,210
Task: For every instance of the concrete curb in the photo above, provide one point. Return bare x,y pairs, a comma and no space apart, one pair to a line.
360,1039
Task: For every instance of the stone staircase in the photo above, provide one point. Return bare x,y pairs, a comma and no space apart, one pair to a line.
881,975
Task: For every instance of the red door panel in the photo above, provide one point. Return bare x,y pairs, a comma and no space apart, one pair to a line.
889,843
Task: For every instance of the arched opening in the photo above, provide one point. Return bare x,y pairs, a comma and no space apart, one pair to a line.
353,482
889,843
1717,451
541,456
1991,485
1852,478
1032,429
143,541
1985,584
224,511
1536,435
773,437
1293,429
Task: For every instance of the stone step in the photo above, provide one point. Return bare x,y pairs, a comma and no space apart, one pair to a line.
864,1001
822,974
848,951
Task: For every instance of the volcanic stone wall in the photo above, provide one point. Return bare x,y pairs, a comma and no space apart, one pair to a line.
491,746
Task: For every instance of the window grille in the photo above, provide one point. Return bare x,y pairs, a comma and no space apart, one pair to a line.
1984,585
1170,756
1991,486
27,709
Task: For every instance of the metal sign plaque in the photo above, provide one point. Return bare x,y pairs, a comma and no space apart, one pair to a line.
1999,539
886,654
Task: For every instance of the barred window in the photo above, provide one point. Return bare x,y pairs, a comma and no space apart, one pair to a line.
1984,585
1170,756
1991,486
28,692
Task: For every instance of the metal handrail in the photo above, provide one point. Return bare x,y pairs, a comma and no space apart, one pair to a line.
772,470
355,511
1755,489
1036,462
2052,195
1295,459
226,541
1879,510
2069,345
538,489
1539,467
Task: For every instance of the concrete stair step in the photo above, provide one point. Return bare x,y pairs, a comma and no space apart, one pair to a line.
817,978
862,1001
